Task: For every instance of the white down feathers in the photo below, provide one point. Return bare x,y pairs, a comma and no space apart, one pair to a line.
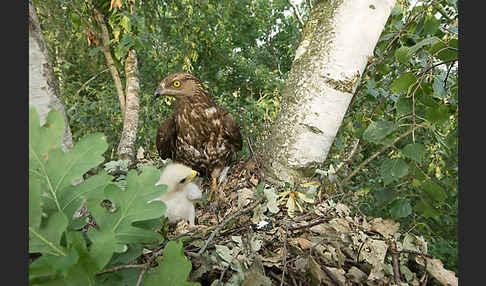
181,193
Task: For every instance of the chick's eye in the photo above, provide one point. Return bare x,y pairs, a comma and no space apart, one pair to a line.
177,83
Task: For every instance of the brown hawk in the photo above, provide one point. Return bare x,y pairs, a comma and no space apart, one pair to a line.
198,133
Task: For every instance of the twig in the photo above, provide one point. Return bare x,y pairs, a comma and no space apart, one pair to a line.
89,80
424,278
226,221
319,221
284,255
364,163
276,277
396,270
296,12
448,71
139,281
246,134
359,250
121,267
416,253
436,65
351,155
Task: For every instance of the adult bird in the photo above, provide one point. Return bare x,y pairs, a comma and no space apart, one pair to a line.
198,133
181,192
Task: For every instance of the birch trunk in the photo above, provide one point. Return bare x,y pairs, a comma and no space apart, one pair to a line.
337,41
126,147
43,85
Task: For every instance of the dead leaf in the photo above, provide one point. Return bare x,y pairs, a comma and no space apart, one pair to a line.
115,3
385,227
254,180
355,275
244,197
437,270
315,271
304,243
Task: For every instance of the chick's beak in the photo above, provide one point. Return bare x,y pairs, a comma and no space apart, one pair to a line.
193,175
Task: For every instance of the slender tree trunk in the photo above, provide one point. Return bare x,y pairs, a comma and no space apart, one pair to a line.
126,148
43,85
337,41
105,40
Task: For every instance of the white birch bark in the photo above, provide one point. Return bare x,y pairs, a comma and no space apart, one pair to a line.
43,86
337,42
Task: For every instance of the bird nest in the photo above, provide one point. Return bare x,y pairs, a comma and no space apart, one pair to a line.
243,240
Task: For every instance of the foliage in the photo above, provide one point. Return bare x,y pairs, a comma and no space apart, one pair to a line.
410,83
70,256
226,44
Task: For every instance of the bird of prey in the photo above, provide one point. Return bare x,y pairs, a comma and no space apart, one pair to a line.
198,133
181,192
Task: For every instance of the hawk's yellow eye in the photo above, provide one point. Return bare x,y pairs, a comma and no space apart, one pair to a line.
177,83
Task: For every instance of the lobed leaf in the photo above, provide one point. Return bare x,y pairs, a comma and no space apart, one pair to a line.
173,269
46,238
131,205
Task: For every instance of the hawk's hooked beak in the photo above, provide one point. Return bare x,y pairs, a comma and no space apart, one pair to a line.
158,92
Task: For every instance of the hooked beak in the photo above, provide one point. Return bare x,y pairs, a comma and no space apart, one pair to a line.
193,175
158,92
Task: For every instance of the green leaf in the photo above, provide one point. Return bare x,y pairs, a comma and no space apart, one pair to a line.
403,106
403,55
173,269
414,151
43,138
431,25
58,169
64,168
46,239
35,202
400,208
55,264
378,130
103,247
424,42
131,205
71,197
445,54
439,90
437,115
433,190
393,170
403,82
425,209
83,273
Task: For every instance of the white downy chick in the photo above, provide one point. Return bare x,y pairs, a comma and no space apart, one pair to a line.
180,192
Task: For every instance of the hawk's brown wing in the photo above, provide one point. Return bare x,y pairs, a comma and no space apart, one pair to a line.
231,130
165,139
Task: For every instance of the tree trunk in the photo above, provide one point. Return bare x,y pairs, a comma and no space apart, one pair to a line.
43,86
337,41
105,41
126,148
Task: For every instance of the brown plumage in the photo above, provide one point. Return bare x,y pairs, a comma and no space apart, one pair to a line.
198,133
